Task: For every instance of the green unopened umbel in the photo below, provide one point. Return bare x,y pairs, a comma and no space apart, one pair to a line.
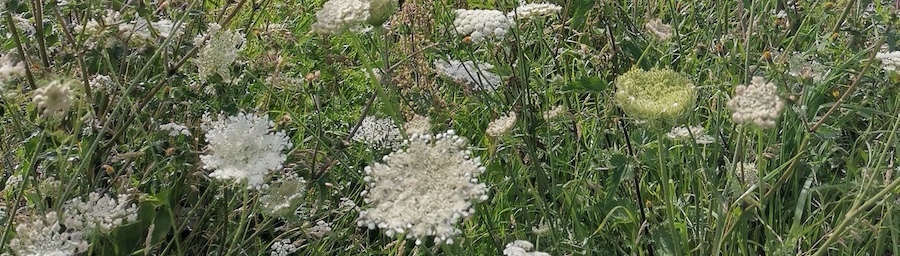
655,95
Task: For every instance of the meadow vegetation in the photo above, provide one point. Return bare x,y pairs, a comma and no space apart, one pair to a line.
436,127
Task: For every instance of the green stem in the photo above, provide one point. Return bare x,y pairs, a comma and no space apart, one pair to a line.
37,9
15,36
669,192
17,203
242,223
858,208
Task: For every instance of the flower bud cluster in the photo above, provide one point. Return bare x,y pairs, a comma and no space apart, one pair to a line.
757,103
658,94
241,148
43,235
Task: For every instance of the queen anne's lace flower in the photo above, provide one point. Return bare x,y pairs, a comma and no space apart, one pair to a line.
529,11
175,129
55,98
320,230
660,30
684,133
469,73
10,69
418,125
554,112
242,148
379,133
283,197
337,16
219,52
746,173
424,190
805,68
501,125
285,247
481,24
102,83
100,213
890,61
658,94
757,103
522,248
44,236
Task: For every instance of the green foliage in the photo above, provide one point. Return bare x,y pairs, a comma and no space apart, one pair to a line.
593,181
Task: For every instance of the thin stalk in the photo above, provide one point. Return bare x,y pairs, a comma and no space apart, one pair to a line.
242,223
11,24
16,119
635,178
19,201
171,71
853,85
79,54
851,216
37,9
669,192
843,17
746,45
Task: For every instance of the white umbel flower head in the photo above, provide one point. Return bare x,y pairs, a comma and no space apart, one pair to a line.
320,230
379,133
337,16
528,11
522,248
746,173
175,129
470,73
418,125
55,98
684,133
99,213
890,61
242,148
757,103
10,69
659,29
481,24
102,83
554,112
501,125
42,236
425,190
283,197
220,51
285,247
